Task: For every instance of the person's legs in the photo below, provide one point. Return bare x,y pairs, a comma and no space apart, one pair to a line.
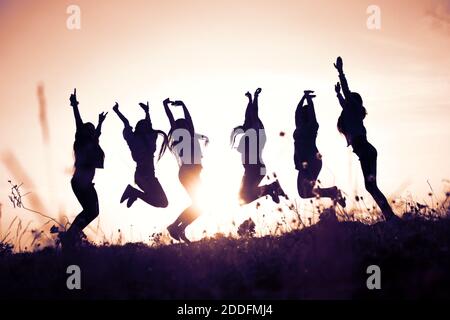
189,177
87,197
306,179
153,193
315,168
368,158
250,190
178,227
189,215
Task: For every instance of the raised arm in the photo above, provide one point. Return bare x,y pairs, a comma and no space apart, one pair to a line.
311,110
187,115
298,111
341,99
146,109
125,121
101,118
255,108
76,112
169,112
302,102
339,65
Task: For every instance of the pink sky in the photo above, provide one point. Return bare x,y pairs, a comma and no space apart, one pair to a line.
209,53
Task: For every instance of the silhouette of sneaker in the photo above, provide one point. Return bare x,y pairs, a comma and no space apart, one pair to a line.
174,232
127,193
183,236
340,199
131,200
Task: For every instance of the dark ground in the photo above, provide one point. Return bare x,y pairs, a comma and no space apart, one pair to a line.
327,260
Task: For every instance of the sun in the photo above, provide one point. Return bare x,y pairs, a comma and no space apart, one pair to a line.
217,194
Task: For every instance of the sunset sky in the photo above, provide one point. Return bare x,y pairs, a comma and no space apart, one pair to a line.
209,53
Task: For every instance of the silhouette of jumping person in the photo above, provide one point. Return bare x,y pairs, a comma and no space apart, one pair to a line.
251,145
184,144
350,124
308,160
89,156
142,144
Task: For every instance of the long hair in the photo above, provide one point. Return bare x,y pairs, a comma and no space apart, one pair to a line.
234,133
356,107
164,144
144,128
86,136
182,124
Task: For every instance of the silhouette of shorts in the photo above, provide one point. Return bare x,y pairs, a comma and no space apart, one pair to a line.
189,176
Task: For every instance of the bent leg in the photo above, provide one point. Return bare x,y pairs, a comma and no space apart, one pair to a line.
87,196
189,215
307,177
250,190
153,193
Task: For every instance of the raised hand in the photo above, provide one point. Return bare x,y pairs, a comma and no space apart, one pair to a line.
337,87
116,107
144,106
167,101
102,117
309,93
178,103
258,91
339,65
73,98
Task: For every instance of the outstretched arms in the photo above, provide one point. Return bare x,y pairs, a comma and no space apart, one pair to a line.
101,118
125,121
339,65
76,112
169,112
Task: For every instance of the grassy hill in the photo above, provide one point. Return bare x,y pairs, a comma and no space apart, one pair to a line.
326,260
